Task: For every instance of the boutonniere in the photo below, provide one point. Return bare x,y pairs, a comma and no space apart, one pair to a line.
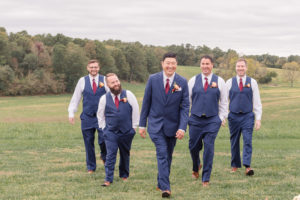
101,84
214,85
176,87
123,100
248,85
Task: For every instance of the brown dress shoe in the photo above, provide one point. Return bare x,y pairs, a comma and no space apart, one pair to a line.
106,184
91,171
124,178
249,171
157,189
195,175
205,184
234,169
166,194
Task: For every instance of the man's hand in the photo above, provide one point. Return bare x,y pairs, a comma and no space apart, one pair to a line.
224,122
142,132
179,134
257,125
71,120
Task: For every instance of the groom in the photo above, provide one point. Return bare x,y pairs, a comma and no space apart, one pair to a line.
166,106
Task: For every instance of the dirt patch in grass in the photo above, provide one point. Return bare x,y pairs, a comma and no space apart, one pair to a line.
35,119
8,173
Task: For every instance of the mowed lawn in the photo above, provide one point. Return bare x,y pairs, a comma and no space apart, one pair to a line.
42,156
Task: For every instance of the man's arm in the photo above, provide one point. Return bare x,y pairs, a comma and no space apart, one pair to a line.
145,108
257,106
184,107
135,109
73,106
100,112
223,104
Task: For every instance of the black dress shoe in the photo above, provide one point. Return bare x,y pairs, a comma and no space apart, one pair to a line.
165,194
249,172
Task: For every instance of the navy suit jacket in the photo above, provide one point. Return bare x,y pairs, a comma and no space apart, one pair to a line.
165,111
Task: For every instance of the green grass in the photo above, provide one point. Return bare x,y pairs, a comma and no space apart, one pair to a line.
42,156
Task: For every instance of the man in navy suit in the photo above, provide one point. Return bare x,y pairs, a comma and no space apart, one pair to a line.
208,98
91,88
166,106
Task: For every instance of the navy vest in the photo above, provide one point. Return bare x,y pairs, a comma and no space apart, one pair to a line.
241,101
118,120
90,103
205,103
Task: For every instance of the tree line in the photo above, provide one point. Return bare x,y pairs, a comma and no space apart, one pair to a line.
47,64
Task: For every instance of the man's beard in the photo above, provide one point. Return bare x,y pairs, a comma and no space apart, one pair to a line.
116,92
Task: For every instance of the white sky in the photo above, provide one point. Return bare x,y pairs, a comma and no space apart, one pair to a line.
247,26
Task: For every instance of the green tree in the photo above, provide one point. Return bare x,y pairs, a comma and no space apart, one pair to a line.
291,71
136,59
75,62
152,61
107,62
58,58
30,63
121,64
4,47
6,78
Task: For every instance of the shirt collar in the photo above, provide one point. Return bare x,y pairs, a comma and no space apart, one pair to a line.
170,78
96,78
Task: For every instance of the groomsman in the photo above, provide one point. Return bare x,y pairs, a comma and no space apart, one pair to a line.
91,88
209,107
118,116
245,108
166,106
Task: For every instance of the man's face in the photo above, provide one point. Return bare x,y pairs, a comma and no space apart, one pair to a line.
169,66
114,84
93,68
241,68
206,66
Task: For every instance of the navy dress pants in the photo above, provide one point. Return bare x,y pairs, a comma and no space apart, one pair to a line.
114,142
89,139
241,124
164,151
204,131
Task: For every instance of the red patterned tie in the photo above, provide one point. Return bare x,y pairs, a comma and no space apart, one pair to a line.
94,86
117,102
241,84
206,84
167,86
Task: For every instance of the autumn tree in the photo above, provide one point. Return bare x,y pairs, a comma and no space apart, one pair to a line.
291,71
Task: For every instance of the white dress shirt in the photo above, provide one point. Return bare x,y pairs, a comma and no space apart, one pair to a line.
170,79
223,103
257,106
77,95
131,100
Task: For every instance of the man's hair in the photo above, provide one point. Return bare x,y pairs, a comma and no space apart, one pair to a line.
109,75
207,57
93,61
242,60
169,55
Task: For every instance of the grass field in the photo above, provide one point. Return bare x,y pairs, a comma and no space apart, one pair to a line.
42,156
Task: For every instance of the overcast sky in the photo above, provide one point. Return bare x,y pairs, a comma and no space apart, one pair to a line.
249,27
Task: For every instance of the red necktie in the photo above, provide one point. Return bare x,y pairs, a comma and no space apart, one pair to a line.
241,84
167,86
94,86
117,101
206,84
